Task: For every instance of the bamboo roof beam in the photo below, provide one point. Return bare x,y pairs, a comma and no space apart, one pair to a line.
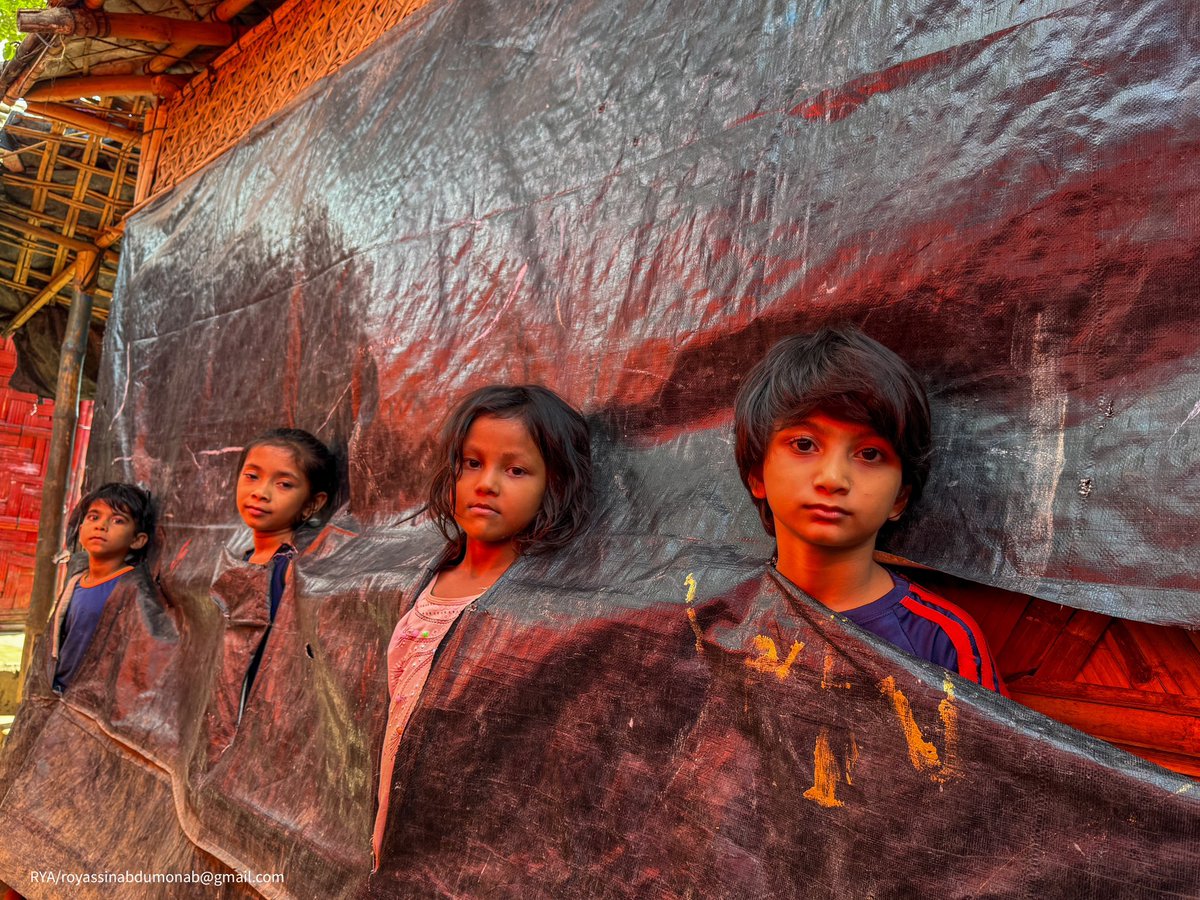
22,226
60,280
69,115
83,268
38,186
109,86
126,26
222,12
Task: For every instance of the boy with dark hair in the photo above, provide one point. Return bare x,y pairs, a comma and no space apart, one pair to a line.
834,444
115,525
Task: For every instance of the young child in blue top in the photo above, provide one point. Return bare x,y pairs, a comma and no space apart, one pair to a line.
115,526
834,444
286,480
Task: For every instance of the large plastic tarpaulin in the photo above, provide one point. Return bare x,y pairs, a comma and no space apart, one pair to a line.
629,202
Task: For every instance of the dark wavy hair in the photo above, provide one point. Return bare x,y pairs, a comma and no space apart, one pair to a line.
126,498
839,371
319,464
562,437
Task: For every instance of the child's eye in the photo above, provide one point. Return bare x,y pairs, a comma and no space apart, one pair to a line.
871,454
803,444
286,485
249,476
516,470
469,463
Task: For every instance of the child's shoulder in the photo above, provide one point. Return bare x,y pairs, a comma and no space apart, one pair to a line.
951,635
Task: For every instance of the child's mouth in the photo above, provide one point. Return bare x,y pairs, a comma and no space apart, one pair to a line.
822,511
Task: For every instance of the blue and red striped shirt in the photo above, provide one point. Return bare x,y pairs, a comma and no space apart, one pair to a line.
926,626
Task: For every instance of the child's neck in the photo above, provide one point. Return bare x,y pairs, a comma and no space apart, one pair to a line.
840,581
101,569
481,567
266,543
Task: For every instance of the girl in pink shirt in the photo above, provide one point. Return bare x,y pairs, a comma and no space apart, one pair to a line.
513,477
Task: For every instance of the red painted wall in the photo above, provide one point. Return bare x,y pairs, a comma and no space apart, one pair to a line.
24,444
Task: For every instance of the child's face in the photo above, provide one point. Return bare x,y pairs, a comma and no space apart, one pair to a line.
109,534
273,493
503,479
831,484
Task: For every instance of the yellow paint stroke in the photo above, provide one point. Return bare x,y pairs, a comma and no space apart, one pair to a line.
828,670
921,753
825,774
768,657
948,710
690,581
851,758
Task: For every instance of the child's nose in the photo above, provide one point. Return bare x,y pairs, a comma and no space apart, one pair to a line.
832,475
488,482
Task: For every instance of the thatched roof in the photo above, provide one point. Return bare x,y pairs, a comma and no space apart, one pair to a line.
80,97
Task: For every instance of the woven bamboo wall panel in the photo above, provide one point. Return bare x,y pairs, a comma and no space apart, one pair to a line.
24,444
301,43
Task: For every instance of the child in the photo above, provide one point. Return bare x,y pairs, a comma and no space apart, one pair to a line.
513,477
114,524
286,479
834,444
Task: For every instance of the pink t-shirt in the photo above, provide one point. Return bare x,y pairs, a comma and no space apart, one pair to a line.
410,657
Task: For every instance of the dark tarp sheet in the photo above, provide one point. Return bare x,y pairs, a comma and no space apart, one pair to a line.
39,343
629,202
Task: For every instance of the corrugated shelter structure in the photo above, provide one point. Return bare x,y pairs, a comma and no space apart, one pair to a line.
349,215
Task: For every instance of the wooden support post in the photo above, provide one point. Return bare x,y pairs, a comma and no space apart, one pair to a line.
54,487
125,26
85,121
109,86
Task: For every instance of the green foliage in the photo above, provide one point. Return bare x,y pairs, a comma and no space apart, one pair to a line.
10,38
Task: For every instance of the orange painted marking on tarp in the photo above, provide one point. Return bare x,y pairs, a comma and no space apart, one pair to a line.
825,774
948,710
851,758
828,669
921,753
768,657
690,581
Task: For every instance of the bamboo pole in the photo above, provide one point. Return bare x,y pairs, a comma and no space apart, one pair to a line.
68,115
126,26
71,140
109,86
156,122
62,433
223,12
60,280
23,226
